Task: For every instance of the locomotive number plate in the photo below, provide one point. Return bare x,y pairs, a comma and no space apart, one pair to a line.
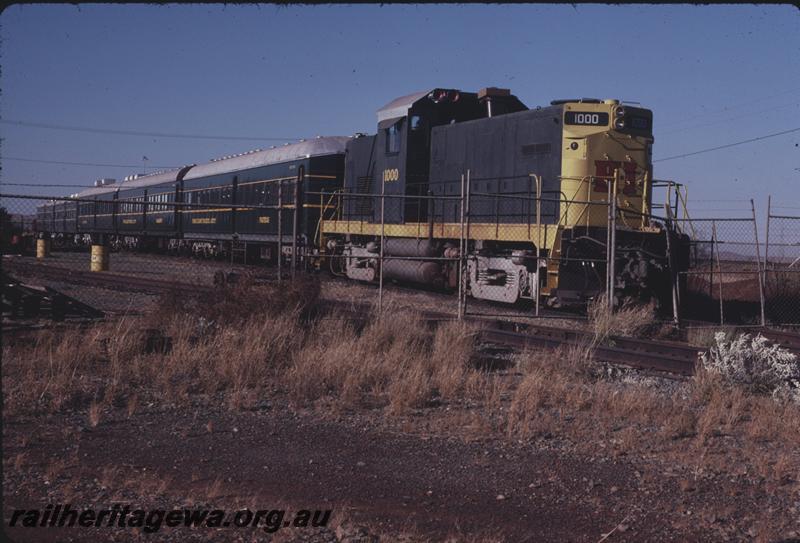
391,175
586,118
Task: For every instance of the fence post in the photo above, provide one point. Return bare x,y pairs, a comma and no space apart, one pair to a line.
538,240
280,230
612,237
296,218
766,241
380,260
672,272
758,262
461,256
719,271
468,219
608,240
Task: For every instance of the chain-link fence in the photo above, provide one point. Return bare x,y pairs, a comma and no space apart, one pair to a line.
469,246
464,246
782,265
724,280
119,256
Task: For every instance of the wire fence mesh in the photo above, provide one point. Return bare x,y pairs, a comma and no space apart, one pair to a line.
466,247
724,280
782,267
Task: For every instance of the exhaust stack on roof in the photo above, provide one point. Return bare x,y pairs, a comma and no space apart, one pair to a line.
486,95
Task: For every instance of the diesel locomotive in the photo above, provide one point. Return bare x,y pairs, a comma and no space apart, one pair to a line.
525,203
541,188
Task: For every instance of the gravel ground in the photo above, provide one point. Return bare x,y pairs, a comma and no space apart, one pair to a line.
414,478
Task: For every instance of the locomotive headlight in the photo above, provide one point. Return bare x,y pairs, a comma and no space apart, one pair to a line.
619,123
620,112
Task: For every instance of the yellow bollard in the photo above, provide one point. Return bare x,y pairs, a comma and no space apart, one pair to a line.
42,248
99,258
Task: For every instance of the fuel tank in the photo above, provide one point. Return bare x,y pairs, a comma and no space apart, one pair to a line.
414,271
411,247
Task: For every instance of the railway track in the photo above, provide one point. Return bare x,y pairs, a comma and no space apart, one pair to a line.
105,279
789,340
660,356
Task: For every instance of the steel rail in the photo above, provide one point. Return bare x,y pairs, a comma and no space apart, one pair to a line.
108,279
661,356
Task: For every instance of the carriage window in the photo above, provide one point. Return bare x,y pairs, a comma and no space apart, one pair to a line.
393,138
416,122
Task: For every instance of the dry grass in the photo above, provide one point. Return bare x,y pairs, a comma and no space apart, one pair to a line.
694,424
110,364
397,363
628,320
558,386
393,361
95,412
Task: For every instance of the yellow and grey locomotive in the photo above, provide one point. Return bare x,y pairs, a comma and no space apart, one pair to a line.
542,191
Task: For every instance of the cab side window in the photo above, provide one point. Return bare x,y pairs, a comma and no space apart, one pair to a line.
393,138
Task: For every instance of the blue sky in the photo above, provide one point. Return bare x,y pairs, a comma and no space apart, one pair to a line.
711,74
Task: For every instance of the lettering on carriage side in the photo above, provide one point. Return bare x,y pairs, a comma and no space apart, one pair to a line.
205,220
128,221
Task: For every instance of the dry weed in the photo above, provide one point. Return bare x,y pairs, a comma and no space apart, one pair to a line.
628,320
132,404
94,413
19,460
396,362
214,490
453,348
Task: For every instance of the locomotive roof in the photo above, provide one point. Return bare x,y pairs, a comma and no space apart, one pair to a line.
320,146
399,106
